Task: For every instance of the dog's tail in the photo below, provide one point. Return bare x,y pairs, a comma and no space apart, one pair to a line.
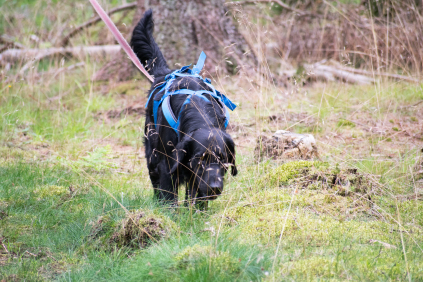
146,48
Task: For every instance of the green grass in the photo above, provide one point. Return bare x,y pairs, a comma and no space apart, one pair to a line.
64,169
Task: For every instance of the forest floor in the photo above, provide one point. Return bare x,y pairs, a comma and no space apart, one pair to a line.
76,202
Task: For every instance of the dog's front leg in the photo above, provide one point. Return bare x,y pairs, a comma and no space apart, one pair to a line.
191,195
168,188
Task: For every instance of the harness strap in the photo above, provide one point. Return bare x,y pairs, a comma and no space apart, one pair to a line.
152,92
165,99
200,63
168,113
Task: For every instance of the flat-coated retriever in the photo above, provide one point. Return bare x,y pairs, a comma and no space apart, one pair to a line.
198,151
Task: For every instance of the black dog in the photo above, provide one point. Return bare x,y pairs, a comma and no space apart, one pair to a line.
200,151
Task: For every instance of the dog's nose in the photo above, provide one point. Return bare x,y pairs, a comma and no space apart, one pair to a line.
216,187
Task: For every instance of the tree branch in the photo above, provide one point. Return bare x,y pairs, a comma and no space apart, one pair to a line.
8,42
95,20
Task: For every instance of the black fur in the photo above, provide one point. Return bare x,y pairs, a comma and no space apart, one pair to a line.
201,154
146,48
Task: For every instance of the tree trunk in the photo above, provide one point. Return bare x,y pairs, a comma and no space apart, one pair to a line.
182,30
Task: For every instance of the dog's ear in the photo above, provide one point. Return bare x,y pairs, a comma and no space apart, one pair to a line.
180,152
230,150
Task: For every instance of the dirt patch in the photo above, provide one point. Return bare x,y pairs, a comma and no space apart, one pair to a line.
136,230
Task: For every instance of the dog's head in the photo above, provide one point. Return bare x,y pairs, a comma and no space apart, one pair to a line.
207,155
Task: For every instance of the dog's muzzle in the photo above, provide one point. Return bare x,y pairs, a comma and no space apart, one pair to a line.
213,176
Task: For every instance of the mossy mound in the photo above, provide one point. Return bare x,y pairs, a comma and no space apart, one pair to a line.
309,198
306,219
136,230
205,256
320,176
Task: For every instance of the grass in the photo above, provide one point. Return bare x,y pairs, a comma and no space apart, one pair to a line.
65,170
76,200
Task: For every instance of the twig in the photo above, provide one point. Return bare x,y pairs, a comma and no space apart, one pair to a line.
413,105
95,20
4,247
71,67
34,255
386,245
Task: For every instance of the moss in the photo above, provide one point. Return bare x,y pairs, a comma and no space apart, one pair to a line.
344,122
317,196
305,225
205,256
50,191
314,267
282,174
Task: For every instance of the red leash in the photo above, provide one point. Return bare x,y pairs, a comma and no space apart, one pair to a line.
103,15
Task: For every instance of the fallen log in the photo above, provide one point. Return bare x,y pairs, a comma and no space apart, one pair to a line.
34,55
331,73
375,73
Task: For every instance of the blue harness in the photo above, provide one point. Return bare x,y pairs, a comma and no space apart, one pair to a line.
165,99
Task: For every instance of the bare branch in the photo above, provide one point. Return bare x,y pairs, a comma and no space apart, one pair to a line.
95,20
8,42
